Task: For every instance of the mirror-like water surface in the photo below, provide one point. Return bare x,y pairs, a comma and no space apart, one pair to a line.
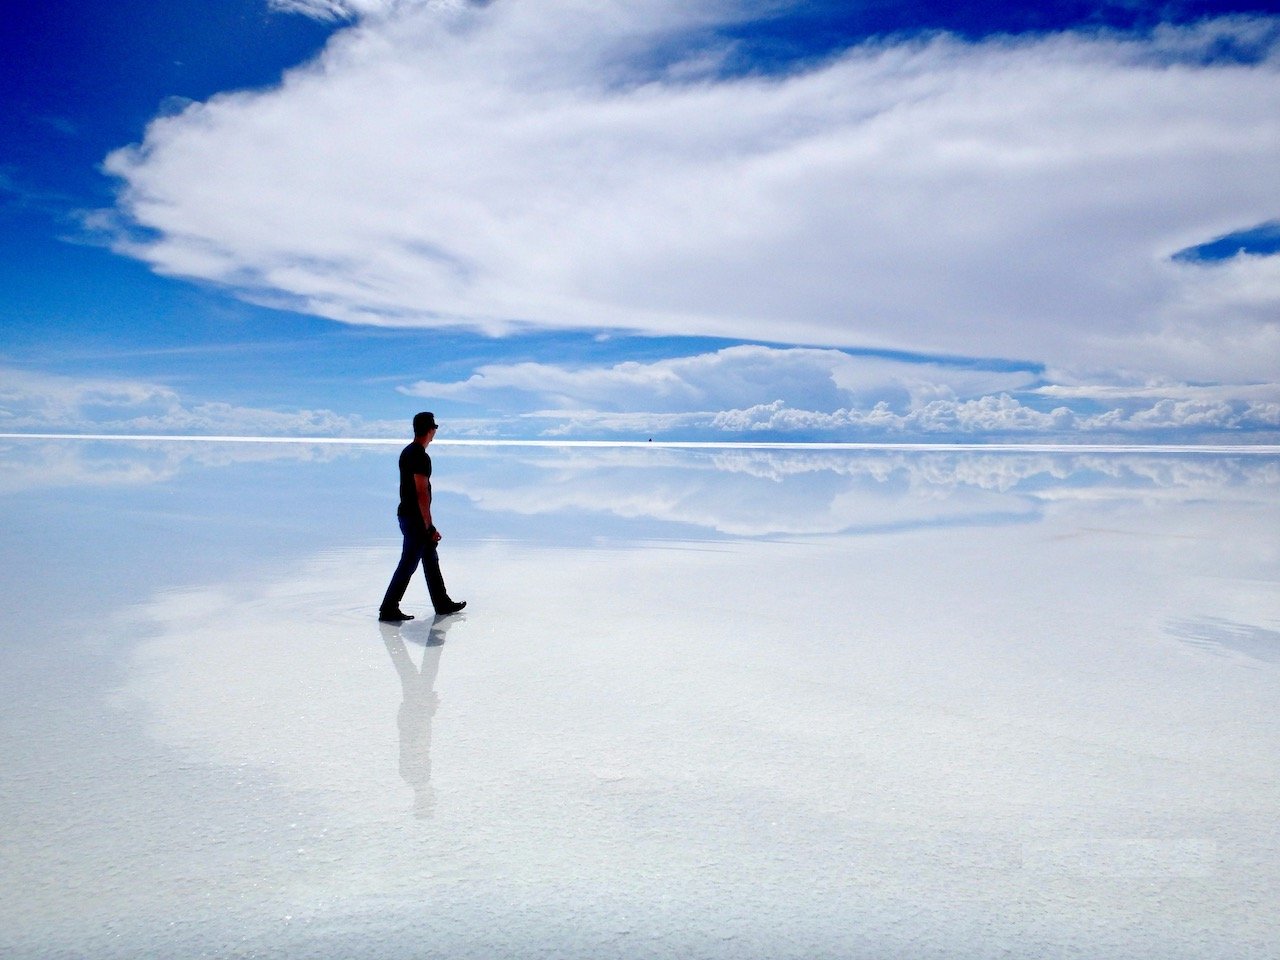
702,703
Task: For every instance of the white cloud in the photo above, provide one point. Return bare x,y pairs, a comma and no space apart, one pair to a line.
1001,414
35,401
734,376
1112,392
989,414
509,164
760,392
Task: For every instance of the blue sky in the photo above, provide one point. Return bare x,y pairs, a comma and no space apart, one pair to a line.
690,220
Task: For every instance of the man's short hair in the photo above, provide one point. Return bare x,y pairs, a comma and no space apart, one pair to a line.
424,423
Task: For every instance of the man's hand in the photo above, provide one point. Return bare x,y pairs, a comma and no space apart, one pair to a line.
435,535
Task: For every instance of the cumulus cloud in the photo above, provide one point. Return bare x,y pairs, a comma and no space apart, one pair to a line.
759,392
986,417
1002,414
552,164
35,401
733,376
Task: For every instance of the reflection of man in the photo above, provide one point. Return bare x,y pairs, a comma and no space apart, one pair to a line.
420,534
417,709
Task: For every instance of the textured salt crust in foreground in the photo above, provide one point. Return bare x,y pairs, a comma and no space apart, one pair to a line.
1052,735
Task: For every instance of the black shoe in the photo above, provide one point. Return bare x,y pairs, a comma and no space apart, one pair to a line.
393,616
453,606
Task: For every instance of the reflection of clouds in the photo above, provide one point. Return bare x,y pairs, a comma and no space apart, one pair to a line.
37,465
46,464
754,492
744,493
735,491
913,711
1207,470
253,669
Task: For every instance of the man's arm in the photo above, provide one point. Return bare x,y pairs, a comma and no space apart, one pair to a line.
424,504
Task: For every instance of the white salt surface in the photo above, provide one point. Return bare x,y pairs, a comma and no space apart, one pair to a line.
742,704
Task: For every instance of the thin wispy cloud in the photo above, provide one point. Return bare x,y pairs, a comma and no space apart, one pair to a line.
526,165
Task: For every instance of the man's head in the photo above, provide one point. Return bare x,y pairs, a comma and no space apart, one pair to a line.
423,424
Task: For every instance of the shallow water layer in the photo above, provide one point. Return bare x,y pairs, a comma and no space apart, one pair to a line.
702,703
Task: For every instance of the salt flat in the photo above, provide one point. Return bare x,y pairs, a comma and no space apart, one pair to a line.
702,703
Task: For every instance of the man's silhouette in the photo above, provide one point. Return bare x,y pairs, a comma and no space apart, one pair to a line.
420,533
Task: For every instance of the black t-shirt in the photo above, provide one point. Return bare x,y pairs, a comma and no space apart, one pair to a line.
413,460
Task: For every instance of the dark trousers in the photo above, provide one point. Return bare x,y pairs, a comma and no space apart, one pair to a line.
418,548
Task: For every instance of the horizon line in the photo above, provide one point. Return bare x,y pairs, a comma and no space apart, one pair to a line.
947,446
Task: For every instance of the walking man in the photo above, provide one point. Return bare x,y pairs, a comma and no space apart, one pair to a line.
420,534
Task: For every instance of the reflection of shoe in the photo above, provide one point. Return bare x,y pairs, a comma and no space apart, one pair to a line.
453,606
393,616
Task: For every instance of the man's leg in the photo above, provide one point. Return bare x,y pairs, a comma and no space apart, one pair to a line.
435,581
410,554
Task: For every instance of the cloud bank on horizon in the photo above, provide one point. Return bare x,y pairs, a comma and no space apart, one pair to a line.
1065,201
31,402
829,394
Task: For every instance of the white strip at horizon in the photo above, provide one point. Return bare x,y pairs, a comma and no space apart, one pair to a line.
1256,449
